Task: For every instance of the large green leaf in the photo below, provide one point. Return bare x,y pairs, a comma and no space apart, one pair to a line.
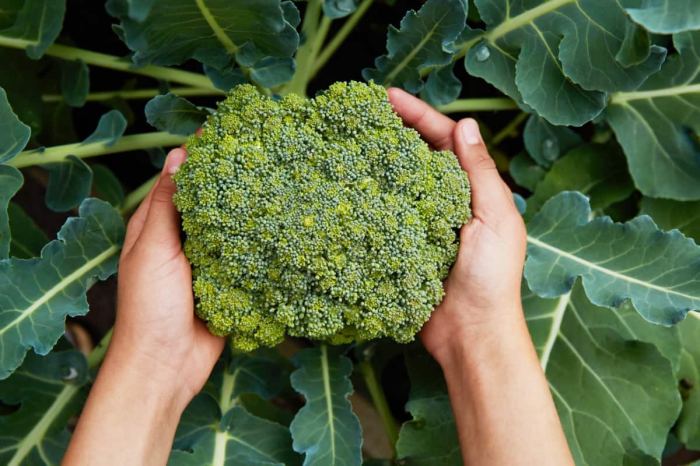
10,181
665,16
27,238
558,57
325,429
654,125
217,430
48,391
214,32
658,271
37,23
430,438
421,42
37,294
21,77
614,390
596,170
14,134
670,214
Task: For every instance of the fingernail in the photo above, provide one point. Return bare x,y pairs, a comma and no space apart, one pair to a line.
174,160
470,131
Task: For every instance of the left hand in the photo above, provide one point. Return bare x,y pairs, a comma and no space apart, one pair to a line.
156,328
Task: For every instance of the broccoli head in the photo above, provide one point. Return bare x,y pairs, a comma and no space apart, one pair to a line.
323,218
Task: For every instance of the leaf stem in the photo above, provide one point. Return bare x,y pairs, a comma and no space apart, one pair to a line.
479,105
314,31
116,63
340,36
98,352
508,130
92,149
380,403
137,94
134,198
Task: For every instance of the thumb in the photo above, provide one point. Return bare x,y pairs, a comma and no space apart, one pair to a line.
162,225
490,195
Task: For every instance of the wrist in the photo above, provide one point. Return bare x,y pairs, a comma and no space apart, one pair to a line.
489,339
137,370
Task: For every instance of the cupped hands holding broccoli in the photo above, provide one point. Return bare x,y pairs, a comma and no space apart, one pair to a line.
323,218
327,219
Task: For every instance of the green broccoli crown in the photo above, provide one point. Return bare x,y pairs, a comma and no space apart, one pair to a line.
323,218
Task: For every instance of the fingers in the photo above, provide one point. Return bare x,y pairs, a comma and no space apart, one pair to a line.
162,225
138,218
491,198
435,127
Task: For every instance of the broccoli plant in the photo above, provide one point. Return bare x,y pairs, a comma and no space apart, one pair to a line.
590,109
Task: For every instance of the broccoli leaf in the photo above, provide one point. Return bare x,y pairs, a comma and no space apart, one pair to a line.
37,23
545,142
325,429
10,181
217,429
533,52
214,32
27,238
339,8
75,82
109,129
669,214
525,171
106,185
174,114
622,402
49,392
430,438
598,171
420,43
15,134
69,183
655,125
657,271
37,294
664,16
688,426
442,86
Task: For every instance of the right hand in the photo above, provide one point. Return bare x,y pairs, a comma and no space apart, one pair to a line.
482,292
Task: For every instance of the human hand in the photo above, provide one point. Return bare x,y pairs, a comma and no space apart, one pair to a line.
482,292
156,329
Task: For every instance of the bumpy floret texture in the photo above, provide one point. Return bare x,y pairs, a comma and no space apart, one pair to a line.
323,218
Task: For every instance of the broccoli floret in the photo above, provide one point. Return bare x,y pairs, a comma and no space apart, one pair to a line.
323,218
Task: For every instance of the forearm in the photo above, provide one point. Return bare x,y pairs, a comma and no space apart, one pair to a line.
503,408
130,416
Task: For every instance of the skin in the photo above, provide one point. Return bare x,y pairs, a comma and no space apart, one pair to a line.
161,354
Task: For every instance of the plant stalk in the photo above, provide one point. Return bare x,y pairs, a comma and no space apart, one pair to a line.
313,30
137,94
479,105
92,149
380,403
508,130
116,63
98,352
134,198
340,36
